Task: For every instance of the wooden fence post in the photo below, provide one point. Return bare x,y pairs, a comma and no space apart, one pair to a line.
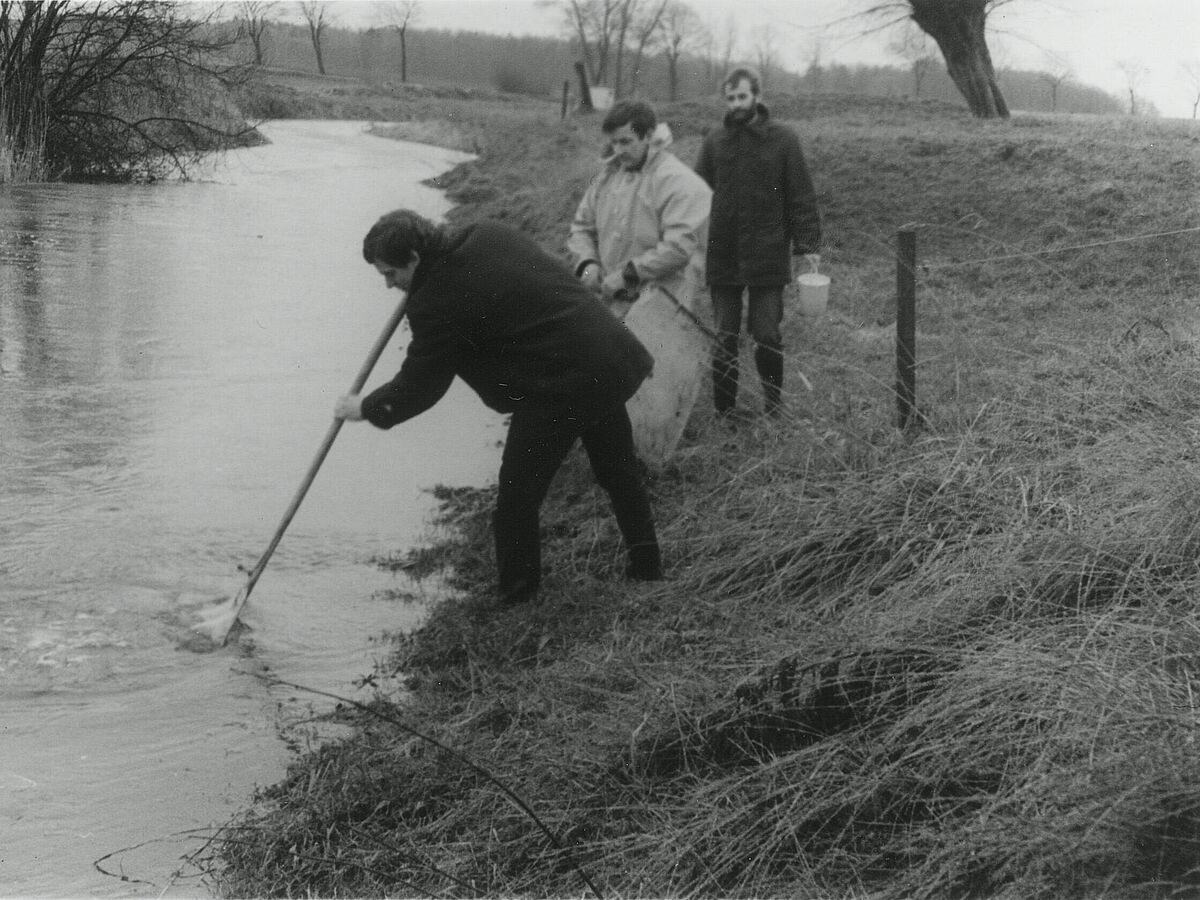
906,325
566,98
585,91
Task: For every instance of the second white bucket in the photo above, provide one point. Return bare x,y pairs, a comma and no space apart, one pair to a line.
814,293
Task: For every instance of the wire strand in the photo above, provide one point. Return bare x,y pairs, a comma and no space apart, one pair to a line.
1030,253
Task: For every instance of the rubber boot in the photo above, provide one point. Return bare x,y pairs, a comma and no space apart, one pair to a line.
645,563
769,361
725,375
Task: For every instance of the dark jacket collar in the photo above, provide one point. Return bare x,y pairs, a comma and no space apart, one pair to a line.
762,115
440,245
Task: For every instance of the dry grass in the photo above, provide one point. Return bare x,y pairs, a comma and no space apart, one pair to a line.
959,662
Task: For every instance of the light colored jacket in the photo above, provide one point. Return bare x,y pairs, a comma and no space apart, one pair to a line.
655,217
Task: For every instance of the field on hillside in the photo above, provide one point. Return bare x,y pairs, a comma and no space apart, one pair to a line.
957,661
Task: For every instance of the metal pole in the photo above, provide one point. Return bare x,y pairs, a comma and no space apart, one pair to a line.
906,325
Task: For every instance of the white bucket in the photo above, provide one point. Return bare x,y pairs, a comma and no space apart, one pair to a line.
602,97
814,293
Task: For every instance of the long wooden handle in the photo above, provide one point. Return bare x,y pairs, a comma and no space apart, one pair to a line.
361,379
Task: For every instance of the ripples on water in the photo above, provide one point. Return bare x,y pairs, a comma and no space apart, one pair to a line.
169,357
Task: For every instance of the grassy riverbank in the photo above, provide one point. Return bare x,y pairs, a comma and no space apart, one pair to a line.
962,661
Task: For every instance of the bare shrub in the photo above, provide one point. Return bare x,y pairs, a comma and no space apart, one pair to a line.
112,90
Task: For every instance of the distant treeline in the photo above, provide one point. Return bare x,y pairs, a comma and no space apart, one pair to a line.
540,66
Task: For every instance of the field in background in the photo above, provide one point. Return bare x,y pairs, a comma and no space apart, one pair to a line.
957,661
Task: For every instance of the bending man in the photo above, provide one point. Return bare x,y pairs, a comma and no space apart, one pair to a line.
488,305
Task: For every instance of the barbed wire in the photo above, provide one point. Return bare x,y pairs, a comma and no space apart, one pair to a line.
928,266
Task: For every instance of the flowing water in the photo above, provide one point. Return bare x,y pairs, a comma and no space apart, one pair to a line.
169,359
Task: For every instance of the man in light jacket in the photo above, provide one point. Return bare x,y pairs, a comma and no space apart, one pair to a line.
644,217
764,212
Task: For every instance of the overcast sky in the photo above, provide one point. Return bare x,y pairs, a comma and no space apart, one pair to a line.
1098,40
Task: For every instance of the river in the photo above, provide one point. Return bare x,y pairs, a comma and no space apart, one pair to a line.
169,358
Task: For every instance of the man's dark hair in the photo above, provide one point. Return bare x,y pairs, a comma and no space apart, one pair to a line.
739,74
396,235
636,113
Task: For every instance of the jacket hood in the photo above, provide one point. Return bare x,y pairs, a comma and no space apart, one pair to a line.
661,136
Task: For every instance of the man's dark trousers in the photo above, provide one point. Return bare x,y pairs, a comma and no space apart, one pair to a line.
538,441
763,319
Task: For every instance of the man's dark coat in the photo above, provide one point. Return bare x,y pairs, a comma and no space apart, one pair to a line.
493,308
764,208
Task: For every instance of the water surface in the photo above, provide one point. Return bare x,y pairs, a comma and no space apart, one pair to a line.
169,359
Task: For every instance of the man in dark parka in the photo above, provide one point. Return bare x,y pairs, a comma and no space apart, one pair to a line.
488,305
764,211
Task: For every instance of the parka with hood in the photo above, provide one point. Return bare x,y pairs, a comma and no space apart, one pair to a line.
764,207
655,217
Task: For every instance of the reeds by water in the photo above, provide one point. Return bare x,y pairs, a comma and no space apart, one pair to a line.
963,667
22,144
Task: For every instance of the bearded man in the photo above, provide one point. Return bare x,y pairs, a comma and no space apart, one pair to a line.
764,211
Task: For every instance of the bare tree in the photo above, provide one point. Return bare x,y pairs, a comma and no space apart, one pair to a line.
706,47
399,14
959,28
647,23
1192,69
117,90
589,24
606,30
914,47
682,30
814,72
253,17
593,24
729,45
766,53
315,13
625,10
1054,76
1135,75
637,21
